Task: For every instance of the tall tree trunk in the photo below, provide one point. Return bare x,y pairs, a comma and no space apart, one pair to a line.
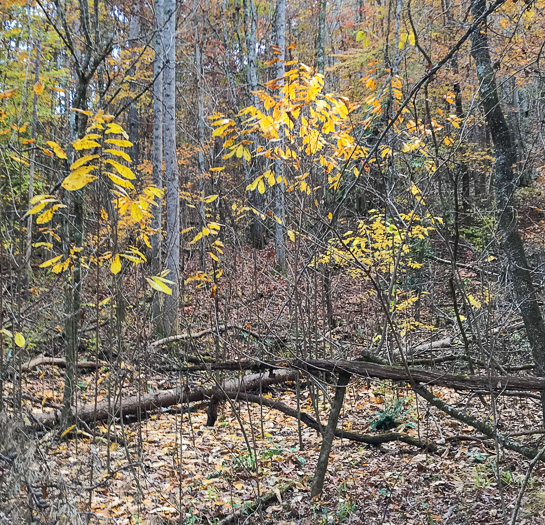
135,30
320,42
157,156
200,141
280,30
257,234
172,302
505,187
28,248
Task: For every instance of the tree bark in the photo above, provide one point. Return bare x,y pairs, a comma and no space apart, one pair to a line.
28,248
257,234
157,155
506,185
280,30
172,302
329,434
141,404
320,41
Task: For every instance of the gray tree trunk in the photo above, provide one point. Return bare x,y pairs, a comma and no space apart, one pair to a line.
506,185
257,234
135,31
201,168
32,167
280,30
157,156
320,42
172,261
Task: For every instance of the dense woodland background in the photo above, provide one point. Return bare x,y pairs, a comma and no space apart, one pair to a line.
272,262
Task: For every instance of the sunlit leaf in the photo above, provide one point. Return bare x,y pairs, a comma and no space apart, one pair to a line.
115,267
7,94
124,171
56,149
119,153
119,142
79,178
159,284
85,143
19,340
120,182
83,160
51,261
38,88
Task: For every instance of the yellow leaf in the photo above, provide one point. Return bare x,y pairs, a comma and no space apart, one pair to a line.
57,149
118,153
46,216
261,186
157,283
85,143
68,430
82,111
211,198
38,88
7,94
196,238
291,235
115,267
119,181
239,151
119,142
19,340
80,162
247,155
51,261
136,212
124,171
79,178
116,128
19,159
38,198
39,207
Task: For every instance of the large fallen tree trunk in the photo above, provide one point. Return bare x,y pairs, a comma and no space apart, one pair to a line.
140,405
496,384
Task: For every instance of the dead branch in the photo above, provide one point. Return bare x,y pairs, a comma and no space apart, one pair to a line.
42,360
141,405
496,384
309,421
202,333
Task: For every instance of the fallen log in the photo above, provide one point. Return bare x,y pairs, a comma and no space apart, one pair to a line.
196,335
140,405
497,384
42,360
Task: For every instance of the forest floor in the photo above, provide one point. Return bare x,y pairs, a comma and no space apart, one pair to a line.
172,464
172,468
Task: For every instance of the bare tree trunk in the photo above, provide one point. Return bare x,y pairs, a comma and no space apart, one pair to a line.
329,434
320,42
505,187
172,302
280,30
28,248
158,65
201,168
257,236
135,30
